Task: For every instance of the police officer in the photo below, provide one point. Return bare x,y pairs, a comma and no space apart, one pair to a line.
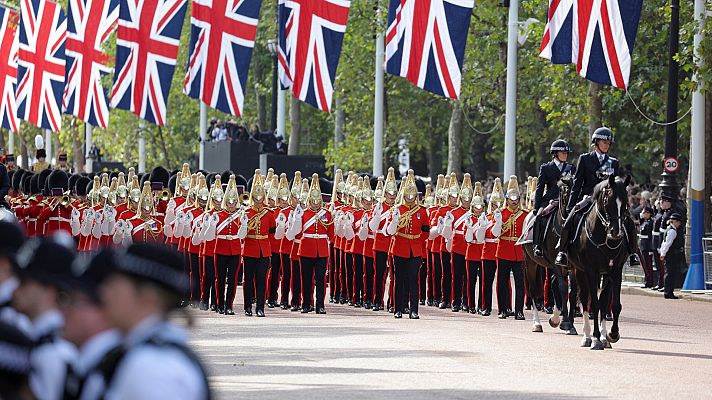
660,226
592,168
645,239
11,239
15,363
547,187
144,285
672,252
42,266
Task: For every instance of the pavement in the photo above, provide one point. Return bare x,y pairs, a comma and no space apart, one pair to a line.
665,351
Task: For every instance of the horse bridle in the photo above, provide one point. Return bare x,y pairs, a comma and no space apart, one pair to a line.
606,225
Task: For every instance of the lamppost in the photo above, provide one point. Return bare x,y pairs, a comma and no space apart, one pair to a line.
272,46
669,184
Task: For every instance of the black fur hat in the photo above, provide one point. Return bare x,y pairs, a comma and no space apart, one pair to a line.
81,185
172,183
159,175
42,179
17,179
26,183
73,181
58,179
35,185
225,177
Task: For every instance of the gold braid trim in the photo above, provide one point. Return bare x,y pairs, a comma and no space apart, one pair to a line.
512,220
404,220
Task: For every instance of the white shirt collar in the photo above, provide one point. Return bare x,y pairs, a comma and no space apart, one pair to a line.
95,348
51,321
150,326
7,288
599,154
558,163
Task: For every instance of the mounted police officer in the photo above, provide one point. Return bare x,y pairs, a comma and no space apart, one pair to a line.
547,188
593,168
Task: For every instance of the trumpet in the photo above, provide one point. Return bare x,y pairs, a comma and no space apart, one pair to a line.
165,195
64,201
245,197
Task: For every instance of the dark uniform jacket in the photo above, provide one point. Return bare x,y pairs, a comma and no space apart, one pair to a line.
4,186
547,187
646,235
660,226
589,172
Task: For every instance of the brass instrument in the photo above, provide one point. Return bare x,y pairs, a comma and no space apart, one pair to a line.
165,195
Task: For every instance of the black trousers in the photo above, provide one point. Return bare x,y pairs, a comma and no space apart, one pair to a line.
673,266
473,269
226,267
296,284
422,280
447,277
286,277
489,269
194,277
437,276
275,264
207,287
659,279
349,276
368,279
332,271
255,279
380,279
186,270
406,275
337,290
458,276
504,299
358,278
313,274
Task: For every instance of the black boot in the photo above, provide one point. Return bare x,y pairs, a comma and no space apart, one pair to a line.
537,251
633,260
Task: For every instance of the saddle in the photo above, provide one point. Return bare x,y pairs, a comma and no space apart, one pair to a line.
579,213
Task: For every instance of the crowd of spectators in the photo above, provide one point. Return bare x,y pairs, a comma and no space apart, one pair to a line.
270,142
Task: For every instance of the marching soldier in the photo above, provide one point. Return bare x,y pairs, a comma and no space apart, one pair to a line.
488,233
381,242
206,237
58,212
547,187
473,254
256,223
143,227
275,263
436,261
454,234
509,255
317,230
192,220
364,233
227,248
334,252
356,244
406,225
291,197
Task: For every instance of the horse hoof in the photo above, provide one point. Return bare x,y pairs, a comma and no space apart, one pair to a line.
565,326
572,332
586,342
596,345
537,328
606,344
554,324
613,337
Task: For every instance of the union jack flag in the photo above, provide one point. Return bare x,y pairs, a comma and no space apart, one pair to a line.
8,69
314,32
284,17
146,49
425,43
222,36
596,35
41,63
560,43
89,24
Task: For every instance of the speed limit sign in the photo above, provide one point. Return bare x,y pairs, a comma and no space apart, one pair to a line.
671,164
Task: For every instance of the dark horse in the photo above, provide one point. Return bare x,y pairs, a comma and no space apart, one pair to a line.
534,266
600,250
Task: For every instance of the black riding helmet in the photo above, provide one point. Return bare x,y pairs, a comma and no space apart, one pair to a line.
602,133
559,145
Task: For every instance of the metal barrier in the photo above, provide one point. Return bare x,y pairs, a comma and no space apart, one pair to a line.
707,253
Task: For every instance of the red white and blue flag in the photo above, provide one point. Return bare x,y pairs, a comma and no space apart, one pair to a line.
597,35
314,32
41,63
425,43
89,25
146,49
222,36
8,69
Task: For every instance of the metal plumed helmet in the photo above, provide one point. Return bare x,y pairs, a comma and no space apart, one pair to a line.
602,133
559,145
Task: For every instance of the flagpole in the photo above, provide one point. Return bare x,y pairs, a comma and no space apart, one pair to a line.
203,128
510,121
89,143
378,109
48,145
11,142
281,112
141,148
695,279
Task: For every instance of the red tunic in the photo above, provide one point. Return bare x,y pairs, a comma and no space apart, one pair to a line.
256,244
435,243
382,242
512,226
226,241
368,244
275,243
459,245
440,239
149,230
317,232
285,245
190,247
489,248
407,241
57,219
180,205
356,243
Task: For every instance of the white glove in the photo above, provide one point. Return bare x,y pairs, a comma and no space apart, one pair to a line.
331,208
74,222
349,226
339,224
393,224
298,211
363,230
188,222
376,217
212,231
107,225
281,226
437,230
168,230
196,237
96,229
170,212
497,228
448,245
119,233
481,228
447,231
127,239
242,231
178,225
469,231
87,221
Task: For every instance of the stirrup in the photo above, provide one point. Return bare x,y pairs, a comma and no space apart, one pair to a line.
561,259
633,260
537,251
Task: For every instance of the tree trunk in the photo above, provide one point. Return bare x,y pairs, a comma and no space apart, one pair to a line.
454,140
339,120
595,112
295,121
477,151
23,151
166,154
78,148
